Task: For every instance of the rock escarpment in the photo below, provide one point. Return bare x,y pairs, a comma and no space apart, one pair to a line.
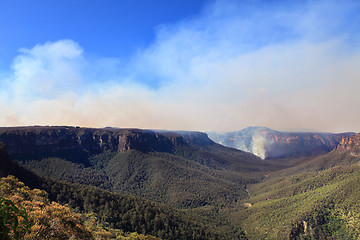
78,143
268,143
185,169
351,145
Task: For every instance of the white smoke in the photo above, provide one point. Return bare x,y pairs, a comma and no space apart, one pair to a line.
258,146
243,146
197,71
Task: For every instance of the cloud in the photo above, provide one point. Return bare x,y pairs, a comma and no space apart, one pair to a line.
47,70
234,65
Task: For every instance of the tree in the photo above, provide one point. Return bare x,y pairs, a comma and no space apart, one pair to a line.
14,222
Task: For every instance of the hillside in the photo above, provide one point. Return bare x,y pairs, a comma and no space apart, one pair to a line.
39,218
182,169
119,211
346,153
315,199
271,144
187,186
321,205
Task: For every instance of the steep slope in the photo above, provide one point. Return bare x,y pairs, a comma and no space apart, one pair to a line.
349,146
8,167
268,143
314,199
314,205
346,153
77,144
184,169
128,213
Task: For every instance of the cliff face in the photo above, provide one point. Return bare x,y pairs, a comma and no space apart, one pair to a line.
77,142
184,168
196,138
267,143
350,145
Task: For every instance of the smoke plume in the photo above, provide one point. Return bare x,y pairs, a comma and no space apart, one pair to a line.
235,64
259,144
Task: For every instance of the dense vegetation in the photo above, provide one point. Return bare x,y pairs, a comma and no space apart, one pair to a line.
30,215
197,191
309,205
14,222
186,178
128,213
131,213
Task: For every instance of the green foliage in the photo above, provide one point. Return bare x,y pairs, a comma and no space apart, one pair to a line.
311,205
187,178
14,222
38,218
100,232
132,214
186,171
44,219
214,189
323,223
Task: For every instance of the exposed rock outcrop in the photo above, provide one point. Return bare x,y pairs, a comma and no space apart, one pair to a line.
351,145
77,143
268,143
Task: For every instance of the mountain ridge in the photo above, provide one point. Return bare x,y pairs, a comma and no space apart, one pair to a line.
120,211
271,144
168,167
294,198
93,140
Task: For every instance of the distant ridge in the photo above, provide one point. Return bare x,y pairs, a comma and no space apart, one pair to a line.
271,144
183,169
80,142
345,154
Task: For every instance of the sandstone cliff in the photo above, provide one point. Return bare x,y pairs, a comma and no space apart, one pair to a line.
268,143
77,143
351,145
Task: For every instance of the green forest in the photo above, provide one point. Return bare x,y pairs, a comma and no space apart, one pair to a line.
195,191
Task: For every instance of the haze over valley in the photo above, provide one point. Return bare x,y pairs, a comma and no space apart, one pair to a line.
209,190
268,143
180,120
205,66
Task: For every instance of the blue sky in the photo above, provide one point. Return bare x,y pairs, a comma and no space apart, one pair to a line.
185,65
125,26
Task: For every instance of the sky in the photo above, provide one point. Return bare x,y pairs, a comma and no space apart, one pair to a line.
181,65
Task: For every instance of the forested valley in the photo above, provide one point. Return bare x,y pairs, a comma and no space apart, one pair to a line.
162,185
